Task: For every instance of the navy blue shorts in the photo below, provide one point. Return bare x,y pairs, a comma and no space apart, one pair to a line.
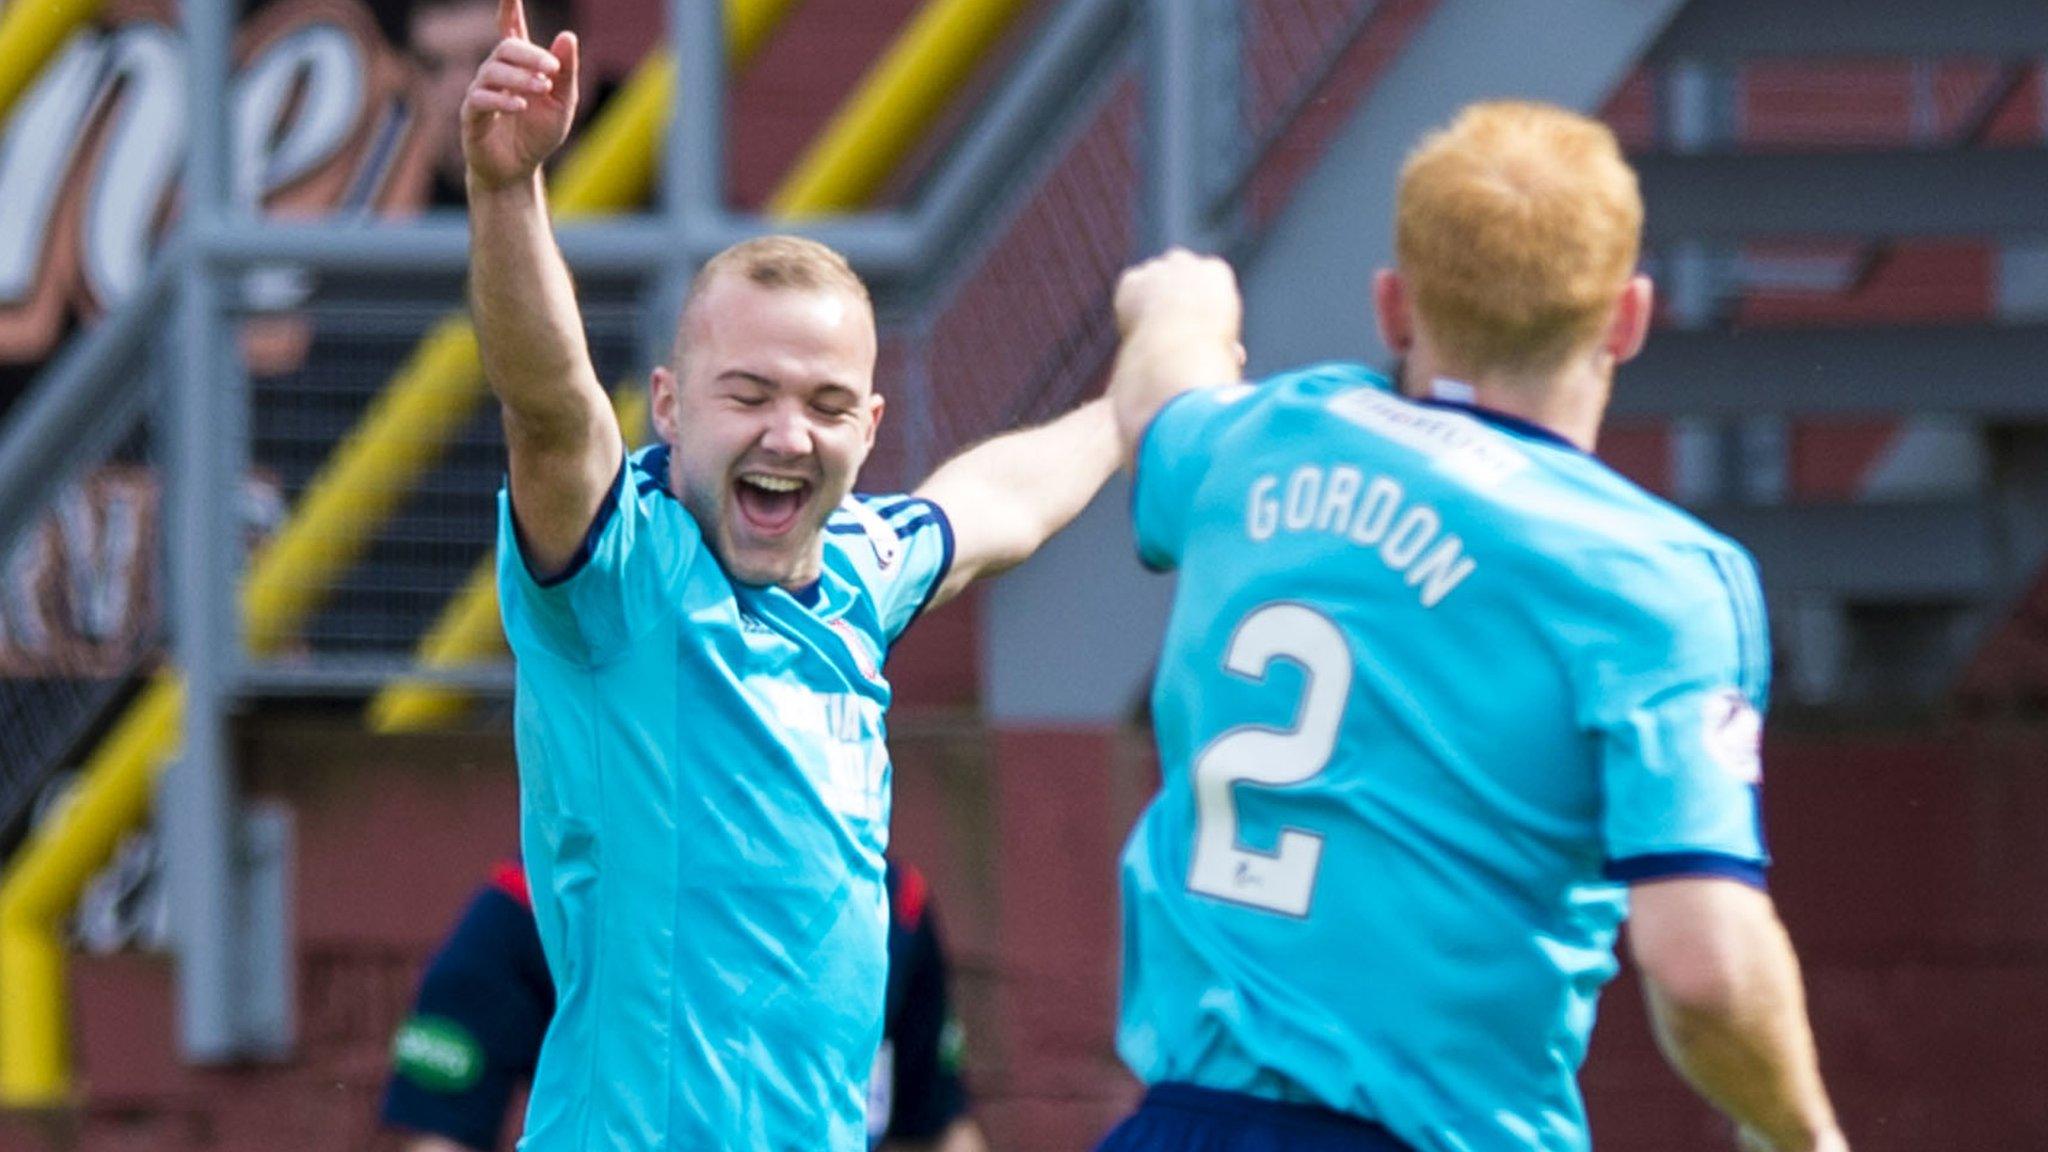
1184,1118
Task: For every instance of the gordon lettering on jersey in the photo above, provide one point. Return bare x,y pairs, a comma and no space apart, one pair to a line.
1339,501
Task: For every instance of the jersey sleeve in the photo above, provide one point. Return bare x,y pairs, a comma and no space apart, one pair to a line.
1173,456
1679,693
900,548
589,612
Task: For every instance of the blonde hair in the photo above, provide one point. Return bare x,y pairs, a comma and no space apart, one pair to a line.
773,262
1516,229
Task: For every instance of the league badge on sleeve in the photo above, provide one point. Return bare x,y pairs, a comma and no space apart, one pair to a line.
1734,735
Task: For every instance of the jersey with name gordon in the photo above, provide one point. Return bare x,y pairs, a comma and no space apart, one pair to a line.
1435,687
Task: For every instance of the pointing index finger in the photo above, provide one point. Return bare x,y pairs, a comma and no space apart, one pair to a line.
512,18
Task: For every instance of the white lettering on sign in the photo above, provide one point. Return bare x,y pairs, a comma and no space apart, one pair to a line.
322,121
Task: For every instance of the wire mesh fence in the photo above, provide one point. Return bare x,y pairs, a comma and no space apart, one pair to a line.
81,610
347,346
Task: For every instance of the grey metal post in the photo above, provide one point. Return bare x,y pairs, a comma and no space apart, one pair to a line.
1174,204
1172,128
196,800
693,158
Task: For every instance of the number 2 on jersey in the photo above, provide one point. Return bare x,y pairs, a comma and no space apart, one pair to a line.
1282,880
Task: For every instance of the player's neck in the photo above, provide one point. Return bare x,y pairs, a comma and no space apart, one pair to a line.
1568,402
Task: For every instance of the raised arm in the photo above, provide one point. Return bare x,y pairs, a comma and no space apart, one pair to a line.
1724,992
561,434
1179,316
1008,495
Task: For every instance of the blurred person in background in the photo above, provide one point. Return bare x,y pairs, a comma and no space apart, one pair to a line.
1442,700
484,1002
699,631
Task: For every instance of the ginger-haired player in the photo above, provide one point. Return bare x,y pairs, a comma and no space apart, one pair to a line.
1442,700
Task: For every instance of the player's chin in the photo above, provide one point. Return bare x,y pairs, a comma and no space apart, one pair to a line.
780,559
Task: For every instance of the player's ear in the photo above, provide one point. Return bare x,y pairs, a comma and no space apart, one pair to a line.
1631,324
875,406
1390,310
661,390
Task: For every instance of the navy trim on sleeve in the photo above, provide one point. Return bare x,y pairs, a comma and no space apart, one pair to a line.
653,469
906,527
945,524
900,527
887,506
1667,865
608,508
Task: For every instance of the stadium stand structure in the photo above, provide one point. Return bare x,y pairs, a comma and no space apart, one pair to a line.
1841,379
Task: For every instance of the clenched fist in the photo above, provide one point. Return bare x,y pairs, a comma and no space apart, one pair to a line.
1183,290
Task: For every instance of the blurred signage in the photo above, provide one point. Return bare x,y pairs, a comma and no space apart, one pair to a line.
79,596
324,120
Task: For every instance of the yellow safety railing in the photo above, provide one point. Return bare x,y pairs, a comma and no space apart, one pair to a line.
610,168
31,32
895,105
112,797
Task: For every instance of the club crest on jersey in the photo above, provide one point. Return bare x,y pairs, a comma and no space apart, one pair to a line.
858,646
1734,733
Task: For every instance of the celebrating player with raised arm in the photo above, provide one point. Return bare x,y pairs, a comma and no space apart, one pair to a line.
1442,698
700,630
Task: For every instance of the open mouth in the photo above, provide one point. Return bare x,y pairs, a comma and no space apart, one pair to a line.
770,504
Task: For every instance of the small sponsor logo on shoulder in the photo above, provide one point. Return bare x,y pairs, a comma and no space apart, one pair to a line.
1461,446
1733,732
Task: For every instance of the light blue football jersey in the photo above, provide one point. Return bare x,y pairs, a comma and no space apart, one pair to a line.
1436,685
704,805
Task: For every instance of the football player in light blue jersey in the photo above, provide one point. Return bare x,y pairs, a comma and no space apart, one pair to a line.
1442,699
700,630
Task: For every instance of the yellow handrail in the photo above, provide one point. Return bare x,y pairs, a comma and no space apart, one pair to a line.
909,87
52,867
895,104
611,167
31,33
